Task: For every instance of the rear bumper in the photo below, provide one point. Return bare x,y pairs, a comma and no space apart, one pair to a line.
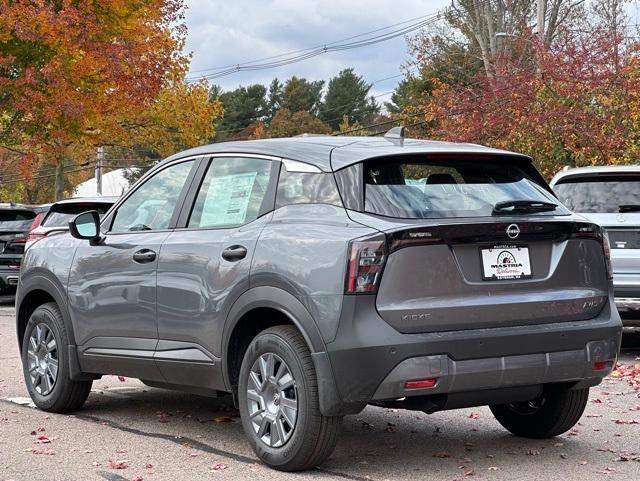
370,361
499,372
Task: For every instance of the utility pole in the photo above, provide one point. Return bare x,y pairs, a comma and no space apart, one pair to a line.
98,172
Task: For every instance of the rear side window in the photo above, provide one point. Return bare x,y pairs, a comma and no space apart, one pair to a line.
417,189
306,188
232,192
604,194
11,219
60,215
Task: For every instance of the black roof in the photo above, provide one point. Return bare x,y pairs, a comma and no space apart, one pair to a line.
335,152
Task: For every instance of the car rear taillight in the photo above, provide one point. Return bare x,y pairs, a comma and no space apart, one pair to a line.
366,262
36,221
31,236
606,248
34,236
592,231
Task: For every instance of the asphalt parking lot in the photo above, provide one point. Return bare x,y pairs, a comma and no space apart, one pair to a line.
128,431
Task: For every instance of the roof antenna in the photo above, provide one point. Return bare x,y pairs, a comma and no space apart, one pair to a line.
395,136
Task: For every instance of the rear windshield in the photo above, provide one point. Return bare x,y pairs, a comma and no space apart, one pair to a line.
14,219
604,194
61,214
448,188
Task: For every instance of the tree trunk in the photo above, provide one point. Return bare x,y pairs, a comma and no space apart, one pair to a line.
542,4
59,185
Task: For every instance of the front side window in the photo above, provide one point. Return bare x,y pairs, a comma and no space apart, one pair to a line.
152,204
604,194
232,192
448,188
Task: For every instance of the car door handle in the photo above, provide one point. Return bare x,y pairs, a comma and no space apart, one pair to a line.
234,253
144,255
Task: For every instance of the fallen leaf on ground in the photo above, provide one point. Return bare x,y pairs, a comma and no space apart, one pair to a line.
218,467
47,451
43,439
441,454
119,463
468,471
223,419
606,471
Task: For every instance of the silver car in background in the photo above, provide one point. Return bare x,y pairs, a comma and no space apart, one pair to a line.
610,197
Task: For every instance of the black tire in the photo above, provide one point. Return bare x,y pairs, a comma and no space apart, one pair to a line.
314,436
557,411
66,395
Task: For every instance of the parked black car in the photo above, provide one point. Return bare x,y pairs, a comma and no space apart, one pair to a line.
16,221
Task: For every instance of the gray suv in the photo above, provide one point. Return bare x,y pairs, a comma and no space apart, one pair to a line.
312,276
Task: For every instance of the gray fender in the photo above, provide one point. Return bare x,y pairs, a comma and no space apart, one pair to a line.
42,280
290,306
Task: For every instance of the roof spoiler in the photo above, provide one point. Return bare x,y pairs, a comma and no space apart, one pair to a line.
395,136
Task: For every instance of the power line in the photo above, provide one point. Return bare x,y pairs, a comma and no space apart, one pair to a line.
298,56
310,48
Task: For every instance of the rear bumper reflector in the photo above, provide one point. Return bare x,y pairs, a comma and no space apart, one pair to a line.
421,384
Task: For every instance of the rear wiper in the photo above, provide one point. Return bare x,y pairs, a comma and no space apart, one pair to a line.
629,208
522,207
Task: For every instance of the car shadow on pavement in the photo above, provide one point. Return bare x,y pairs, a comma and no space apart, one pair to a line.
371,444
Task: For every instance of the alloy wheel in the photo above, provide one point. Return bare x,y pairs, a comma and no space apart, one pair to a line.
272,400
42,355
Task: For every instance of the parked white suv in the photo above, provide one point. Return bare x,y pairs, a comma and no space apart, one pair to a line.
610,197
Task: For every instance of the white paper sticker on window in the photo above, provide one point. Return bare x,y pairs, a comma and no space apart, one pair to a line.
228,199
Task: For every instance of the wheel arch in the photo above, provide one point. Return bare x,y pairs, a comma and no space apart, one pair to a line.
249,310
34,291
37,289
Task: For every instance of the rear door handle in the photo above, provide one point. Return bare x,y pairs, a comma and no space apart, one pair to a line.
234,253
144,255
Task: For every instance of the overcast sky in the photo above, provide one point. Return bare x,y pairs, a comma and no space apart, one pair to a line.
224,33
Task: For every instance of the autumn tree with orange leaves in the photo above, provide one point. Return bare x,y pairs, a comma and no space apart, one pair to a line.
76,75
571,98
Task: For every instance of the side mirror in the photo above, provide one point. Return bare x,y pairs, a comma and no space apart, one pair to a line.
86,226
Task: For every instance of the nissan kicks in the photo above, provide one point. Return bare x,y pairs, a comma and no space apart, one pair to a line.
312,276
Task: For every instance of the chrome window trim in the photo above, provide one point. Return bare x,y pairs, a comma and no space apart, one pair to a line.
300,167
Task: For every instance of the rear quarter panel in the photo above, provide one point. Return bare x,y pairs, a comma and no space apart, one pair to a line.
303,250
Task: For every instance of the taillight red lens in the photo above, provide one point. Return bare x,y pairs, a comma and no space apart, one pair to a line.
606,248
36,221
366,262
34,236
592,231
